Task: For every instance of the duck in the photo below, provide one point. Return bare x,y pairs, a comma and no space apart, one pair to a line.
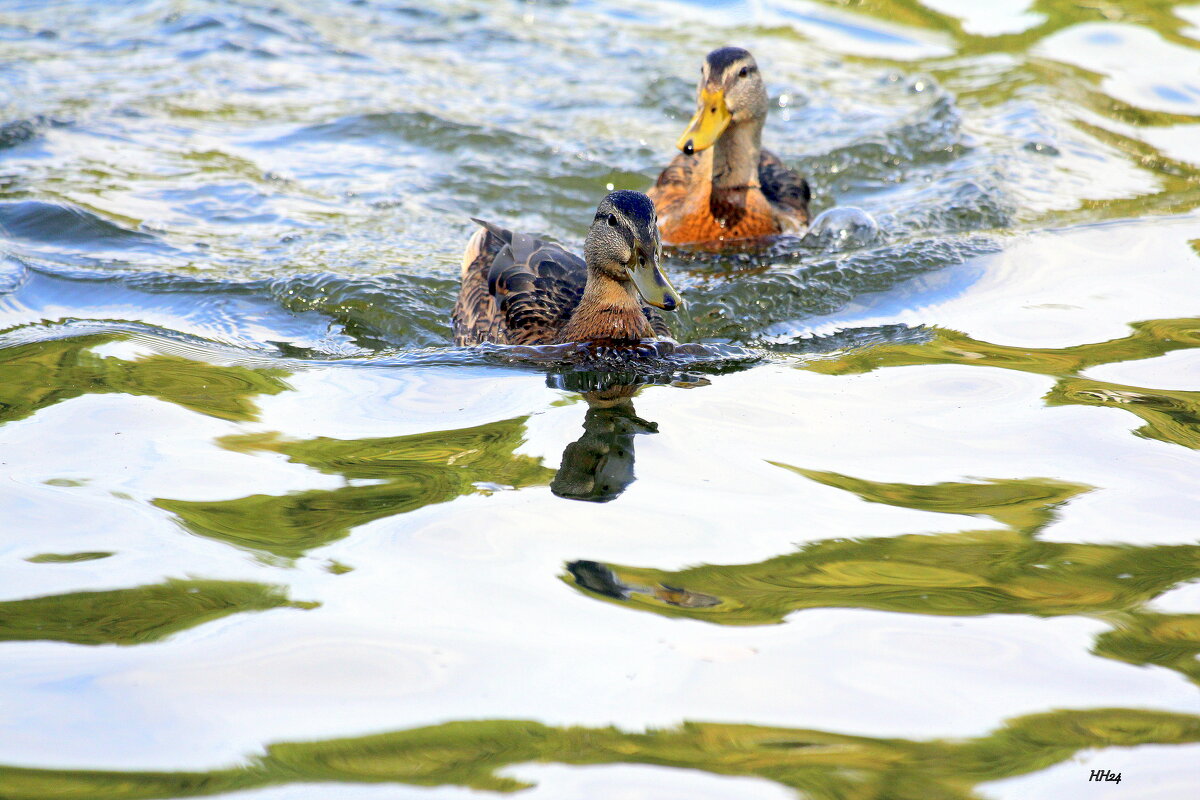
724,186
518,289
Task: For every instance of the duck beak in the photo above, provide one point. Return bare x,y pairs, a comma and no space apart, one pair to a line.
650,281
712,118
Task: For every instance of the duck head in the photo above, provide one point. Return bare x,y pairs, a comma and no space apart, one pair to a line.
623,245
731,92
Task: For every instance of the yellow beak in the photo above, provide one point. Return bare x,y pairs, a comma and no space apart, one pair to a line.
652,283
711,119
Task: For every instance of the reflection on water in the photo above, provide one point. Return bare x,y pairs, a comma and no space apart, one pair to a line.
134,616
229,241
398,474
41,374
961,574
66,558
1171,416
599,465
819,764
1164,640
1026,505
1149,340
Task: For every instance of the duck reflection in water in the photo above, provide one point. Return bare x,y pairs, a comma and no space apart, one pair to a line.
598,466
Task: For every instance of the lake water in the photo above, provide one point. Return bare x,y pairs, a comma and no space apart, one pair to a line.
922,521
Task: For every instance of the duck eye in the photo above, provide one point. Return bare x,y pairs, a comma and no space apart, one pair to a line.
612,220
744,72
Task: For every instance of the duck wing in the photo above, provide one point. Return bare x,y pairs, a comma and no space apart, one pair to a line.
518,289
783,187
535,285
475,318
675,184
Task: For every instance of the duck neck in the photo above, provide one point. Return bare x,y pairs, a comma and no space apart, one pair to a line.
735,155
609,309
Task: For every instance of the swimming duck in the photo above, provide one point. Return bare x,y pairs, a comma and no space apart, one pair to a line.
725,185
517,289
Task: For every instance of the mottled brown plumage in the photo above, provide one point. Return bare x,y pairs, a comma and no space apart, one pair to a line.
517,289
691,210
724,186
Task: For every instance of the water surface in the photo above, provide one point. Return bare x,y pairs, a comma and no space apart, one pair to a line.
917,518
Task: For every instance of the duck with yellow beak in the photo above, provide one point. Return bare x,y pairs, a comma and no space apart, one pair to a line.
520,290
725,186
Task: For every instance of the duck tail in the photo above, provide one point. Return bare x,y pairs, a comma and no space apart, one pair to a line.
482,247
503,234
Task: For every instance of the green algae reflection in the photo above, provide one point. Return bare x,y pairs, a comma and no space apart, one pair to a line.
1170,416
1050,16
40,374
971,573
69,558
1024,505
134,616
404,473
1149,339
407,472
1165,640
818,764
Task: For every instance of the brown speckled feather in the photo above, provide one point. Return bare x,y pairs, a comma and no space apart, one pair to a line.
517,289
784,188
674,186
689,210
475,316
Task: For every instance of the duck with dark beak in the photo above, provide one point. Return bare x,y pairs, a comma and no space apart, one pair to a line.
649,280
520,290
725,186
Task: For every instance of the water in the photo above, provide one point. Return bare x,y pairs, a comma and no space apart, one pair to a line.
912,515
